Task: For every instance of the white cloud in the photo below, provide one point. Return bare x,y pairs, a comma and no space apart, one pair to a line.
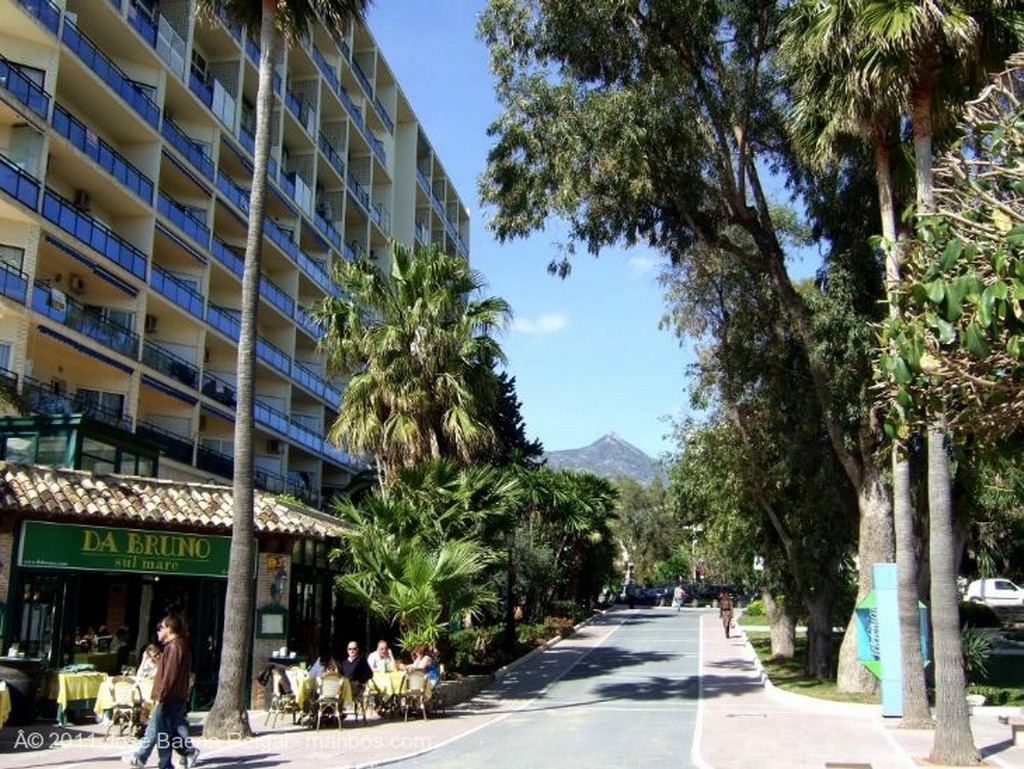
544,324
642,265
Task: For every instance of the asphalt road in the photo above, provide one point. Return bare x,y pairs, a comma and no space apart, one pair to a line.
626,699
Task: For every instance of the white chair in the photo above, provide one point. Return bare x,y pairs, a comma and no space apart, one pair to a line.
329,701
283,700
414,691
126,714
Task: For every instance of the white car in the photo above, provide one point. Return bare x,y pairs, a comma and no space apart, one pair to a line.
995,592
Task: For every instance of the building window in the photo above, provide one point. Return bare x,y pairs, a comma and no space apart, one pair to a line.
98,457
12,256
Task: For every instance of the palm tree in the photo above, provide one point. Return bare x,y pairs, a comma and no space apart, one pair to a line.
827,52
268,20
417,345
928,41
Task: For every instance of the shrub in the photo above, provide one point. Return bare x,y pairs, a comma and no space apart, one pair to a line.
977,615
976,649
754,609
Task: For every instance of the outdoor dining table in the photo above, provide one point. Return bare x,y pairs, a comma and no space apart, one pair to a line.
305,688
75,691
105,695
5,703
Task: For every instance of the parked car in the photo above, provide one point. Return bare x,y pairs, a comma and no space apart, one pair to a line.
995,592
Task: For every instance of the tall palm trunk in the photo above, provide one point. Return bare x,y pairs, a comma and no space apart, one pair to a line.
954,742
228,717
916,714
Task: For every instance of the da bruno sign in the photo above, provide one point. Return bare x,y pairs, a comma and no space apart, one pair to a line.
102,548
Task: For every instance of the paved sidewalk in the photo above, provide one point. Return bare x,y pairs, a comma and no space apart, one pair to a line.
743,723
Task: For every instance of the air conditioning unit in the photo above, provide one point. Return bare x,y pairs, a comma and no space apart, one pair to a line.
150,323
275,447
76,284
82,200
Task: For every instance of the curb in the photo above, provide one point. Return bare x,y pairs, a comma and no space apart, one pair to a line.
501,672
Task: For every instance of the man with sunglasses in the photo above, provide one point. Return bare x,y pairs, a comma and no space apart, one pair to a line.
167,729
355,667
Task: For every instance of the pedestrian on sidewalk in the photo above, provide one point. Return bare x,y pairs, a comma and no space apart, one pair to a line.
679,596
725,610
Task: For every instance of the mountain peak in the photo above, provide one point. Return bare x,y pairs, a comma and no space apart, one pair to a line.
609,456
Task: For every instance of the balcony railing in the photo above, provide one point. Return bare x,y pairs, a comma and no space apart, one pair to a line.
198,86
306,322
220,390
384,116
142,24
18,183
64,310
42,398
276,296
13,283
23,89
364,81
270,417
224,321
166,362
112,161
358,192
211,461
192,151
234,193
332,155
328,230
273,355
183,219
226,256
46,12
172,445
315,383
231,26
110,73
93,233
177,292
326,69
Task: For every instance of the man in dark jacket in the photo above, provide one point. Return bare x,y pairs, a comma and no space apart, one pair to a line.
170,691
167,730
355,667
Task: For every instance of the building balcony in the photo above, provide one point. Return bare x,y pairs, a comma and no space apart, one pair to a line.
131,93
276,296
172,445
234,193
109,159
226,256
46,12
332,156
274,356
191,150
57,306
139,19
43,398
19,184
93,233
180,294
384,116
219,390
184,220
13,283
166,362
23,89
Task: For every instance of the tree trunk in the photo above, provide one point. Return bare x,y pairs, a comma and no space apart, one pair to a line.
875,545
228,718
954,742
916,714
819,634
783,627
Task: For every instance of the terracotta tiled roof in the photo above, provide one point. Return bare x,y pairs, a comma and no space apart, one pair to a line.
42,492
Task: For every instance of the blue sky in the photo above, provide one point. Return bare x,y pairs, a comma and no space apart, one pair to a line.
586,352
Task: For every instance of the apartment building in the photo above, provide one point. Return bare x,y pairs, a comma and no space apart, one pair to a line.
126,155
126,141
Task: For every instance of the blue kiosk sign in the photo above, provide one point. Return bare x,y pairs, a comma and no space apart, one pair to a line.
878,636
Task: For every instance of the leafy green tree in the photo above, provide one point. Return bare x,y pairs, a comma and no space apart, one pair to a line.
647,528
654,123
828,52
417,346
511,444
268,21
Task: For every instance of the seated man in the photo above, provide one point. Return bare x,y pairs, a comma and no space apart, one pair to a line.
381,661
355,668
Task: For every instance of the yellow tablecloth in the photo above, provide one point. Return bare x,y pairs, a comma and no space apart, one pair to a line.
303,685
389,683
5,703
78,686
105,696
